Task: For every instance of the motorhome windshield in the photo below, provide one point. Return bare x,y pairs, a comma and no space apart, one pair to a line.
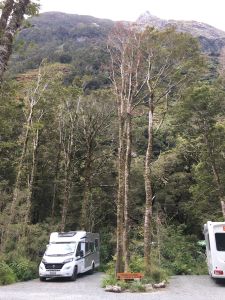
60,249
220,241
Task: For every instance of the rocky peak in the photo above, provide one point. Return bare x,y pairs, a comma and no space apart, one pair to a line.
148,19
196,28
211,38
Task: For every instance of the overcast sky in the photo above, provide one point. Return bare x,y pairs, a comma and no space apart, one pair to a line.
208,11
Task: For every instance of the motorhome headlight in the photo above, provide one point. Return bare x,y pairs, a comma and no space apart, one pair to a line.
68,260
43,261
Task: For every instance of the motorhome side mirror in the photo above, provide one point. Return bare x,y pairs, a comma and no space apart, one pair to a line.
41,253
81,253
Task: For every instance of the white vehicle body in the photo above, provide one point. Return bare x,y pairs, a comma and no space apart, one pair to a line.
70,253
215,248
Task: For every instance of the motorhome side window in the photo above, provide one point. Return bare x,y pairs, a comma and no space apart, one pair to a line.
92,247
220,241
96,244
89,247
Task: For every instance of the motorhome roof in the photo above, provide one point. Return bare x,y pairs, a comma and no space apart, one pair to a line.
64,237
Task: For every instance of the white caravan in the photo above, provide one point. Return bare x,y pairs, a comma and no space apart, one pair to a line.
70,253
215,248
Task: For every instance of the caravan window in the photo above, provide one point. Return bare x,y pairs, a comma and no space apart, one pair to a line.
220,241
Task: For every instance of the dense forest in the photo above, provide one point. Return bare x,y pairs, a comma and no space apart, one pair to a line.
111,128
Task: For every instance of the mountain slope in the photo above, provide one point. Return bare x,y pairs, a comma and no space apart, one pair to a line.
81,40
211,39
63,38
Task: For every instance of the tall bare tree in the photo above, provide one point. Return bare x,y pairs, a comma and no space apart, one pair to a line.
126,61
148,67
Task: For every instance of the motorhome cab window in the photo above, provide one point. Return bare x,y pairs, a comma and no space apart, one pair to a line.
60,249
220,241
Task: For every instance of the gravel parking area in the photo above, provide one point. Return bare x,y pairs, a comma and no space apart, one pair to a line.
88,287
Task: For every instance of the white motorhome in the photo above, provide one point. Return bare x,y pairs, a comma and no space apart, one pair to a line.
215,248
70,253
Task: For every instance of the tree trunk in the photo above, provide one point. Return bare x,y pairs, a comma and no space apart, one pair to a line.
67,188
126,192
148,191
55,183
31,180
85,221
121,184
6,12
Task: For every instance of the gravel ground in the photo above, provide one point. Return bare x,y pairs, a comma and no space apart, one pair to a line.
87,287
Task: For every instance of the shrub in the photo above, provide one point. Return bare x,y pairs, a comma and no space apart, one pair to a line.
24,269
136,286
180,253
136,264
6,274
109,280
158,275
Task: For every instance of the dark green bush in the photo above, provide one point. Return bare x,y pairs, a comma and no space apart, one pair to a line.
180,253
136,286
6,274
137,263
24,269
158,275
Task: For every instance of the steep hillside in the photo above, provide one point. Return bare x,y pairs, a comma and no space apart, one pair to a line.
63,38
81,41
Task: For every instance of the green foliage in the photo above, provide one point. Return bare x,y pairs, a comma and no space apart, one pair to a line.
107,248
136,263
136,286
6,274
180,253
109,280
24,269
158,274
